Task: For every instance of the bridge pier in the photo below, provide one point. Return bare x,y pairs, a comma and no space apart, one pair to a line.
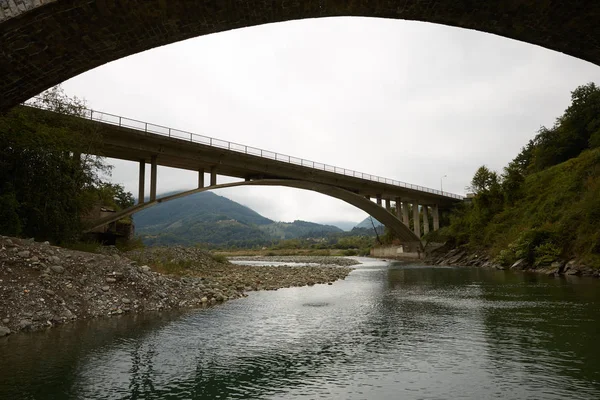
416,220
142,183
388,204
435,211
425,219
398,208
405,215
200,178
213,175
378,199
153,171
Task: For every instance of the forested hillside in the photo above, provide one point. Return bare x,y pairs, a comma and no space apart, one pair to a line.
212,219
545,205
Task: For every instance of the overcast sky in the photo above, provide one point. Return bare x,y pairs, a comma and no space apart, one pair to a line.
405,100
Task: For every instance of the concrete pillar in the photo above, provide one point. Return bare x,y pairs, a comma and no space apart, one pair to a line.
388,204
142,183
435,210
399,208
368,197
405,216
416,220
213,175
200,178
425,219
153,170
378,199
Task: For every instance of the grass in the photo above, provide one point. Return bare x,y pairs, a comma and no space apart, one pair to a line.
88,247
282,252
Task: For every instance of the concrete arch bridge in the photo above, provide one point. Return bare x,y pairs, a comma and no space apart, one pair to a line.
143,142
45,42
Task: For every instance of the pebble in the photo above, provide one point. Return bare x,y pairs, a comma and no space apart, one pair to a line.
105,288
24,254
4,331
110,280
125,300
57,269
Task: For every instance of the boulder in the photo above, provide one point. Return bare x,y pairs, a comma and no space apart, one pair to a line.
519,264
4,331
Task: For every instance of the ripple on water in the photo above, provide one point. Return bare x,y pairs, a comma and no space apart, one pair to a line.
383,333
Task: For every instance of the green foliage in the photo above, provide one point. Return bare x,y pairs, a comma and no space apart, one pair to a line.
546,204
87,246
114,196
44,179
125,245
220,258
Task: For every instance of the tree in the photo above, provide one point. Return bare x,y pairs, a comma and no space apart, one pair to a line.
47,177
483,180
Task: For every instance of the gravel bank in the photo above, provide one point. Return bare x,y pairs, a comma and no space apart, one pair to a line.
44,286
321,260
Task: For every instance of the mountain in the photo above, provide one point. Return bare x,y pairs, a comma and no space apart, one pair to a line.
343,225
212,219
366,223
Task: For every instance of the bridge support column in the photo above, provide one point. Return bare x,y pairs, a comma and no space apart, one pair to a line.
153,171
142,183
416,220
435,210
388,204
378,199
398,208
425,220
213,175
405,215
200,178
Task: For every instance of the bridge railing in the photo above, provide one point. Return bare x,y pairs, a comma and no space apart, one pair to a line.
125,122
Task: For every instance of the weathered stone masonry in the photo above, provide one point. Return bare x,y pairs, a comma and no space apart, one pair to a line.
44,42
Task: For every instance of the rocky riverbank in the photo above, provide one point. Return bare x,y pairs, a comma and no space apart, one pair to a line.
44,286
321,260
462,257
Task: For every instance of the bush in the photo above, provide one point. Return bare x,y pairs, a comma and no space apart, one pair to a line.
546,254
220,258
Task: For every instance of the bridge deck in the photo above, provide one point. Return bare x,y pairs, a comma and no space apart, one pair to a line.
128,139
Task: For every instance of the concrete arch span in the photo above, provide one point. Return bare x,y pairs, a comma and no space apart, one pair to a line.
381,214
45,42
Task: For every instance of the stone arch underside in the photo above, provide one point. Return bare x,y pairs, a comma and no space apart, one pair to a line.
45,42
381,214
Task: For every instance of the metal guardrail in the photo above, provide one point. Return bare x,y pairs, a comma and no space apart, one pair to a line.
120,121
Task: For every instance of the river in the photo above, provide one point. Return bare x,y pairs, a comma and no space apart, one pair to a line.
386,332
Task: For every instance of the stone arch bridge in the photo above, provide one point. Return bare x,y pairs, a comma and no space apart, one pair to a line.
45,42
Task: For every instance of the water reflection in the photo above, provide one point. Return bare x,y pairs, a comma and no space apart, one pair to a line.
388,331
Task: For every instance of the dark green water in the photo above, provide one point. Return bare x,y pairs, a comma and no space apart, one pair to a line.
386,332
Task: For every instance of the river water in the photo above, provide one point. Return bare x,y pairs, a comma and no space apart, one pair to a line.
387,332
